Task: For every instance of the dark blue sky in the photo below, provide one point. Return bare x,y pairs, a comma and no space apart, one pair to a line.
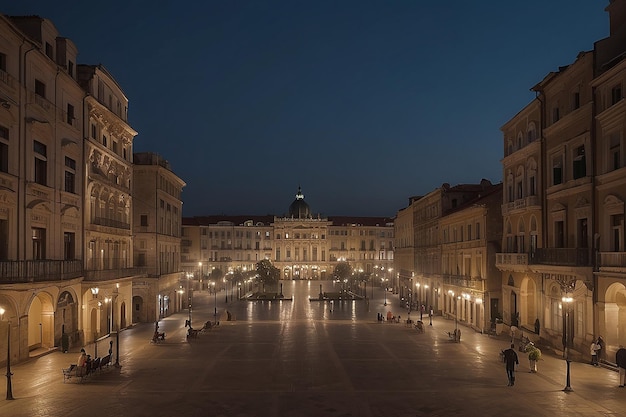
362,103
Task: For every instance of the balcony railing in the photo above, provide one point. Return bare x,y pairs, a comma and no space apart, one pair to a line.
103,221
113,274
512,259
463,281
562,256
40,270
612,259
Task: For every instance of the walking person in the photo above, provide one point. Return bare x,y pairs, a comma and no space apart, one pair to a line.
620,360
511,361
593,350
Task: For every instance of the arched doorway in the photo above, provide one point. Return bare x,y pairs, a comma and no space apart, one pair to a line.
41,322
615,315
514,311
66,319
528,305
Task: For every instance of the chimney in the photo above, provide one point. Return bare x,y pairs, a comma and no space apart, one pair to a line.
617,15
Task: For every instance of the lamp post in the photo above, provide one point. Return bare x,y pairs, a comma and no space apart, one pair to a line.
566,341
9,385
215,294
189,299
107,301
385,289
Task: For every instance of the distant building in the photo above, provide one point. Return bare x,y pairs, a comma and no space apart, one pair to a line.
452,226
157,221
300,244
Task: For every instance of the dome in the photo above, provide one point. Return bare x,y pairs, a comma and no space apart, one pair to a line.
299,208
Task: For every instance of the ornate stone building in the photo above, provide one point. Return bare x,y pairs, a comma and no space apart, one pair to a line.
300,244
562,261
66,207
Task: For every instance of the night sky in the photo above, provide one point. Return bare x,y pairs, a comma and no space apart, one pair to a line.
362,103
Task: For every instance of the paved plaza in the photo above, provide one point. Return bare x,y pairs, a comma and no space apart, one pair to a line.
299,358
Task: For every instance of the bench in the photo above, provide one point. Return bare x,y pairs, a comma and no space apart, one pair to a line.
192,333
455,335
73,371
419,326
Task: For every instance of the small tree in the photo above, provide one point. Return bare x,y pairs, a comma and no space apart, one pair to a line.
343,271
267,273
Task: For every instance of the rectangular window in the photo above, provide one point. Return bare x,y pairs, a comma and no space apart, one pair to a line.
49,51
104,140
559,234
4,240
615,152
532,185
143,220
616,94
70,114
520,193
557,170
70,175
40,89
469,232
477,230
93,131
4,149
70,68
576,100
3,62
39,243
69,246
114,143
580,163
555,115
41,163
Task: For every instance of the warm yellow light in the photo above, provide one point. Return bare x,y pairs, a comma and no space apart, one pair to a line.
567,299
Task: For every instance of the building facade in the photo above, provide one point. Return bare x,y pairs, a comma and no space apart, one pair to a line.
299,244
67,273
563,239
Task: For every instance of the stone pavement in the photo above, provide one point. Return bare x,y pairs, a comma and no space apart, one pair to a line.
296,358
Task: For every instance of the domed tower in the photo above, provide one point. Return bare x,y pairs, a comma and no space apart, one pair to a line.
299,209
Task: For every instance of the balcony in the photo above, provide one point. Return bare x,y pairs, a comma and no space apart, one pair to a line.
615,261
511,261
113,274
103,221
39,271
520,204
562,257
463,281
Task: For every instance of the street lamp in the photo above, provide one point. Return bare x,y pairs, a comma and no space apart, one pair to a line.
215,294
107,301
566,342
9,386
189,299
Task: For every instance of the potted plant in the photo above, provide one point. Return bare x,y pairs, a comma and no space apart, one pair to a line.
534,354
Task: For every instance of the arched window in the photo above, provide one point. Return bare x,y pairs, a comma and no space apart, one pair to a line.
531,134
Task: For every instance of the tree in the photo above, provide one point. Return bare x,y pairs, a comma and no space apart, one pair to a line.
267,273
216,274
342,271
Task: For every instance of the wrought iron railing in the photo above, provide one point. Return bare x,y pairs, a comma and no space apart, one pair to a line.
40,270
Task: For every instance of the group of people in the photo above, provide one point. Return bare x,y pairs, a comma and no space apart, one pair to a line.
596,350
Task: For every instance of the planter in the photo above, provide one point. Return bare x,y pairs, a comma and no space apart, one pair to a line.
499,328
533,365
